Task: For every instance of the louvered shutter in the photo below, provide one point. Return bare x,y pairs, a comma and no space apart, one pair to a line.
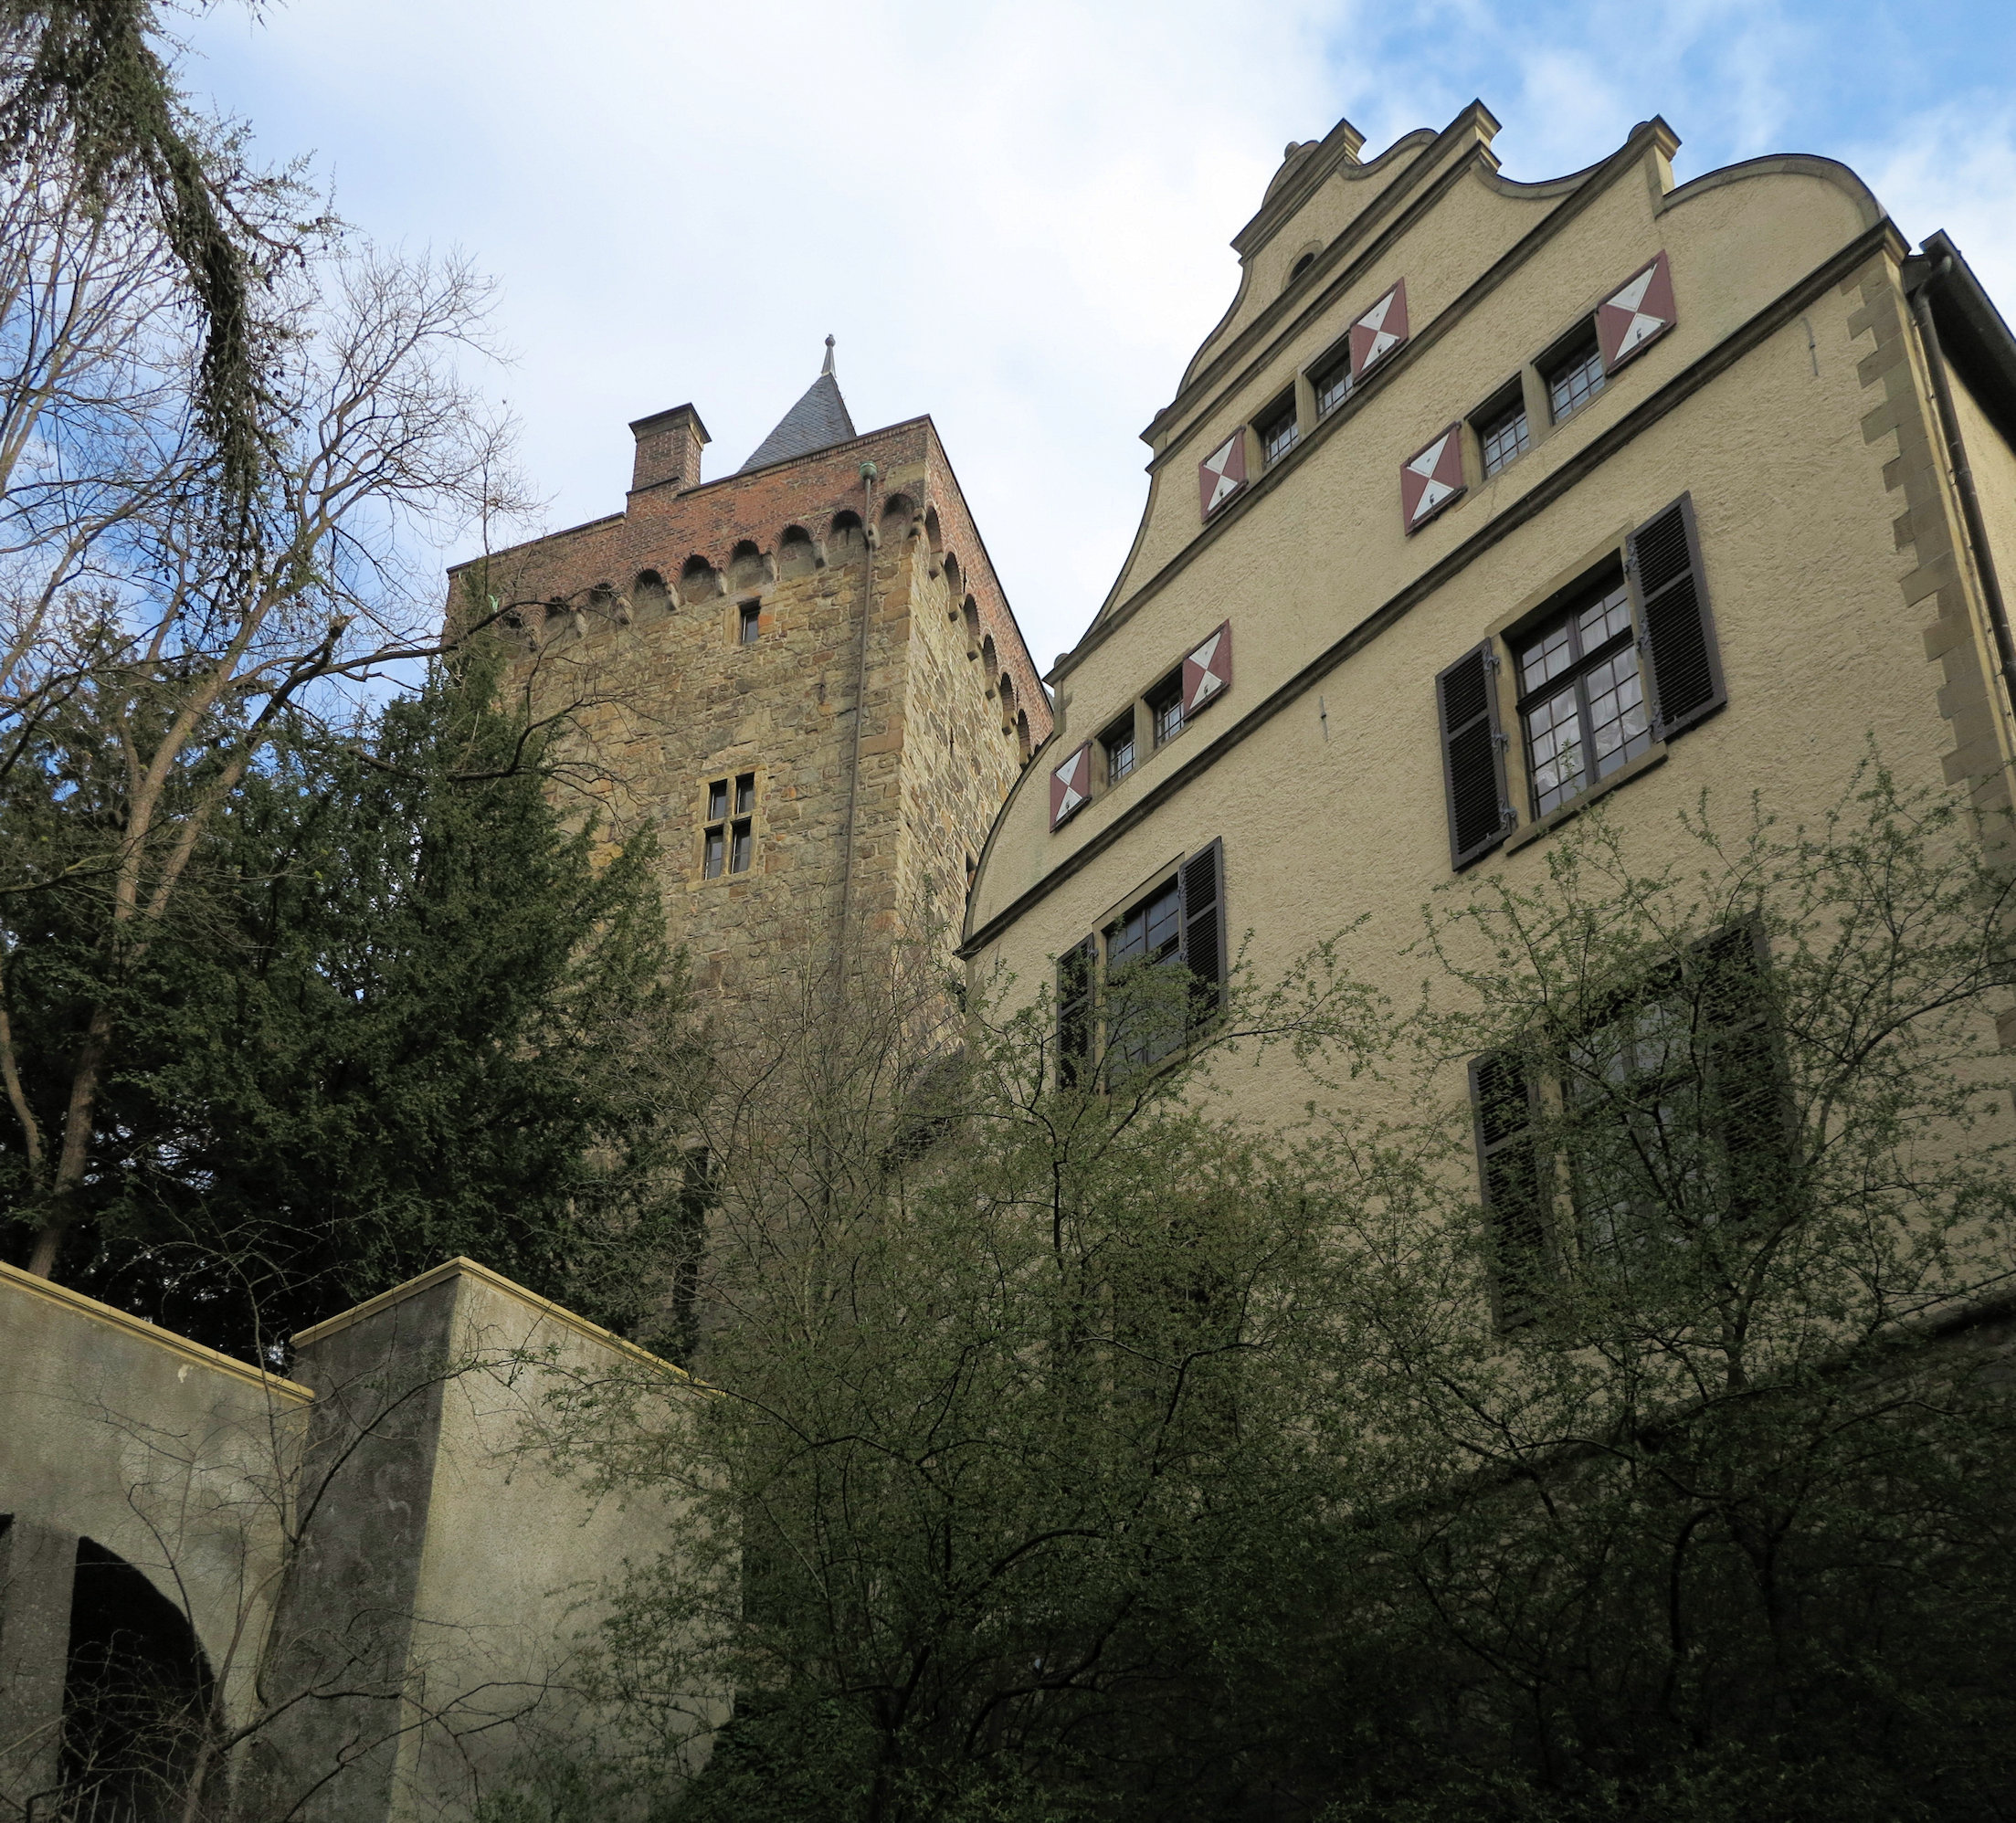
1069,785
1221,474
1747,1101
1504,1104
1671,600
1636,314
1203,887
1432,478
1474,759
1378,332
1077,972
1208,672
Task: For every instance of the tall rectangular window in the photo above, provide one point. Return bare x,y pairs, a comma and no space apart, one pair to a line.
1581,696
1332,384
729,846
749,623
1277,429
1117,744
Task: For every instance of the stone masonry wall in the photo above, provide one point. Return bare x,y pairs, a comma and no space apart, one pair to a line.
629,627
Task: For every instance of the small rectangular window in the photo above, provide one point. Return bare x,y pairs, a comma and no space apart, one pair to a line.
1165,708
717,800
1277,429
1332,383
1117,743
1574,372
750,622
1502,431
716,852
745,794
742,844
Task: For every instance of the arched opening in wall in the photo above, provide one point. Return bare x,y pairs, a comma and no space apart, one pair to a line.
1021,733
795,556
898,511
562,621
971,613
1005,689
990,665
697,581
845,539
602,601
137,1695
745,566
931,531
649,598
954,582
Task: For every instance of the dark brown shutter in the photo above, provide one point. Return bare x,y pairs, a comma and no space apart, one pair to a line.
1748,1103
1203,878
1673,613
1077,972
1473,756
1503,1097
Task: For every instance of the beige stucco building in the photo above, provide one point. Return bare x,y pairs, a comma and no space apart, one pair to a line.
1488,499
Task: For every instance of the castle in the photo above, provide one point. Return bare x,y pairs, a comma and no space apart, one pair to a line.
1509,498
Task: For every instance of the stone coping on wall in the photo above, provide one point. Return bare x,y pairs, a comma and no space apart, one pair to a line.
462,1267
164,1339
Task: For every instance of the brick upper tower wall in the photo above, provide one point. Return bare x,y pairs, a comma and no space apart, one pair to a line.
629,628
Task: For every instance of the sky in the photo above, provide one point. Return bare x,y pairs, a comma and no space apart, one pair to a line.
1013,217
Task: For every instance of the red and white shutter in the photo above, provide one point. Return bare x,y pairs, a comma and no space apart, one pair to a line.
1431,478
1379,330
1069,785
1638,312
1222,473
1208,672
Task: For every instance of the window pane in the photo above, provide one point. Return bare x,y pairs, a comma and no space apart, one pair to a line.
1168,719
1619,727
745,794
1545,659
717,799
738,862
1503,438
1604,619
751,621
716,850
1277,439
1334,387
1575,382
1119,757
1554,744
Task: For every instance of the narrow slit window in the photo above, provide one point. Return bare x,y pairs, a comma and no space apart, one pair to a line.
750,622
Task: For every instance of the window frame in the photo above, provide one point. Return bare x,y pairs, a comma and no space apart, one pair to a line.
748,623
728,827
1278,429
1506,406
1330,381
1164,699
1566,607
1577,348
1122,733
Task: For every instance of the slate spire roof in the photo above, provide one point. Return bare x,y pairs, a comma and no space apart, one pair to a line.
818,421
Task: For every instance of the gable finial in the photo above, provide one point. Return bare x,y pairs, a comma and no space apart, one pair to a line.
829,366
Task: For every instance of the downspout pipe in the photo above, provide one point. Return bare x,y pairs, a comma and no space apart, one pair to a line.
869,540
1963,475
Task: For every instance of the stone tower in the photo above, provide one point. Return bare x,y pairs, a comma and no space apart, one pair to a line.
804,674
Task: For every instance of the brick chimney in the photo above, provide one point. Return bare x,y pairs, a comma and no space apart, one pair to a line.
668,449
